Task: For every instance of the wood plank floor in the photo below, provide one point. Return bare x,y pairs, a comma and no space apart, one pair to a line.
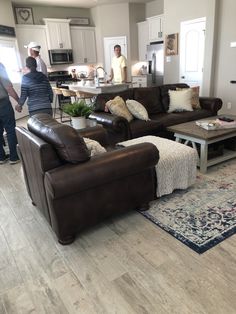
124,265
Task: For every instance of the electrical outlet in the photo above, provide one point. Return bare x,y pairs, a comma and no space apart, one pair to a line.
229,105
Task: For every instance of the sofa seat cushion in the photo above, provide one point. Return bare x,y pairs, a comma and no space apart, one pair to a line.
168,119
105,97
69,145
149,97
140,127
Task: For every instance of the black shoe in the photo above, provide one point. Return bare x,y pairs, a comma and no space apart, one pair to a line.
13,162
4,160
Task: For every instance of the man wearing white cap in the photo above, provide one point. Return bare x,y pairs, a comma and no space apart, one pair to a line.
33,51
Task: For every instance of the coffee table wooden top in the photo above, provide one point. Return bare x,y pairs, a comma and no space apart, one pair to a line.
191,129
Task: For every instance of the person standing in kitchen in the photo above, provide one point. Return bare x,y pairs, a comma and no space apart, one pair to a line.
36,88
7,117
118,66
33,51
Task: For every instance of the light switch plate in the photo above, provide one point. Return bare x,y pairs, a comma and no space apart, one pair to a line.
233,44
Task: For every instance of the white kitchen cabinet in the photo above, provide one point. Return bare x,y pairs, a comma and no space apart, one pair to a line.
143,40
58,33
27,33
139,81
155,28
83,44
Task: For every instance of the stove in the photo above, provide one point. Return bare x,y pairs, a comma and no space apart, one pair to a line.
60,77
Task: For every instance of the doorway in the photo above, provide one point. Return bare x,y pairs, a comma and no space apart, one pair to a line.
192,46
109,43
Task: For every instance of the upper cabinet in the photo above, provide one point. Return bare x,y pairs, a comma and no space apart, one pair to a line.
58,33
27,33
155,28
143,40
83,44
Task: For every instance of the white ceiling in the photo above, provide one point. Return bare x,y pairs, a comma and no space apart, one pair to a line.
74,3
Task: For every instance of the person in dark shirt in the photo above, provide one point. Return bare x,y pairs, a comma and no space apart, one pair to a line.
7,117
36,87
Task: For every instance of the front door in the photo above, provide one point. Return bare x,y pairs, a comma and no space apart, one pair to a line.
109,43
192,43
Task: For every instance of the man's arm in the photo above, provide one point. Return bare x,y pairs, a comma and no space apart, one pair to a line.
124,69
11,92
111,75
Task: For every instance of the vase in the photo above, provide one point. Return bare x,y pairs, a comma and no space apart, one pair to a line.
78,122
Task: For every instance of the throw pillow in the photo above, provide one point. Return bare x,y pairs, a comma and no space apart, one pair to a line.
68,144
180,100
137,109
94,147
195,96
118,107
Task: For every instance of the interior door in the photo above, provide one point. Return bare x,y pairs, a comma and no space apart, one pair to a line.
109,43
192,44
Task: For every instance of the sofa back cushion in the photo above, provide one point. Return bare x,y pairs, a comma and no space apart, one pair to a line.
165,99
105,97
150,98
70,146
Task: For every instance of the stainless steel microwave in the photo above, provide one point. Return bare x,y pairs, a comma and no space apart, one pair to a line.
60,56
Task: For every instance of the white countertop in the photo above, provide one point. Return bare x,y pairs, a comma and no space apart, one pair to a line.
102,88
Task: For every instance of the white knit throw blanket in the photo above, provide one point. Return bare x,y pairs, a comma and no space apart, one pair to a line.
176,168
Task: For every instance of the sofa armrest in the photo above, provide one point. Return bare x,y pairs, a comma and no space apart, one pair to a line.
211,103
97,133
110,121
71,179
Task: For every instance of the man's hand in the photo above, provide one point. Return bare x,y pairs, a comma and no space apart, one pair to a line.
18,108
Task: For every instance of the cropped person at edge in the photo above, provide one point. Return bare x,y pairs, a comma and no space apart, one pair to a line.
7,117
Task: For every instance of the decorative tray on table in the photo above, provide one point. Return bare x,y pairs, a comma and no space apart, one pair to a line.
220,123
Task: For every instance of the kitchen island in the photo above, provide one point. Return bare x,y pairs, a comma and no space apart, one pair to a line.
90,88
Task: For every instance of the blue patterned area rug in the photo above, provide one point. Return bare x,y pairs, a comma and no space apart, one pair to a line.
203,215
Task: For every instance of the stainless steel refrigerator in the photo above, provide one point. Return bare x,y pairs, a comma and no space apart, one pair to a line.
155,58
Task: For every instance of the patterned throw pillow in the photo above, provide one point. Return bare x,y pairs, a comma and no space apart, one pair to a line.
137,109
94,147
180,100
118,107
195,96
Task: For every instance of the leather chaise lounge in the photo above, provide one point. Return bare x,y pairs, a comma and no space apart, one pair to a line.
73,190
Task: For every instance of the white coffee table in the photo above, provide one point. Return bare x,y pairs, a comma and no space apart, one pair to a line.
191,133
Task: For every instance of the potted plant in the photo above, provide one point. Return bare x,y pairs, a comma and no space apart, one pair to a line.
78,111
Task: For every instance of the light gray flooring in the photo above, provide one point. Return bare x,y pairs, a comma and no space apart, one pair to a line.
124,265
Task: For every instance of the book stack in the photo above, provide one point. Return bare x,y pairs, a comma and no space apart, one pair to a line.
226,124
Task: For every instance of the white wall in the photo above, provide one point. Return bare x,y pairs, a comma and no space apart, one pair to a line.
226,56
40,12
6,13
154,8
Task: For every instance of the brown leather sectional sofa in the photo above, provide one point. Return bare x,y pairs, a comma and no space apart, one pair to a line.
156,101
74,191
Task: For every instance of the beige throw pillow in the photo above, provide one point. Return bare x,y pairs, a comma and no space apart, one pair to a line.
195,96
94,147
180,100
137,109
118,107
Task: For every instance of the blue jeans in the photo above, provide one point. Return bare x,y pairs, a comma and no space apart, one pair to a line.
7,122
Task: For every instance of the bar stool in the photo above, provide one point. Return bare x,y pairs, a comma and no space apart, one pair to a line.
69,93
89,98
57,92
59,95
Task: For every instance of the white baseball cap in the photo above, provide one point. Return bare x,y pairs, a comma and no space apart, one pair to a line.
33,45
